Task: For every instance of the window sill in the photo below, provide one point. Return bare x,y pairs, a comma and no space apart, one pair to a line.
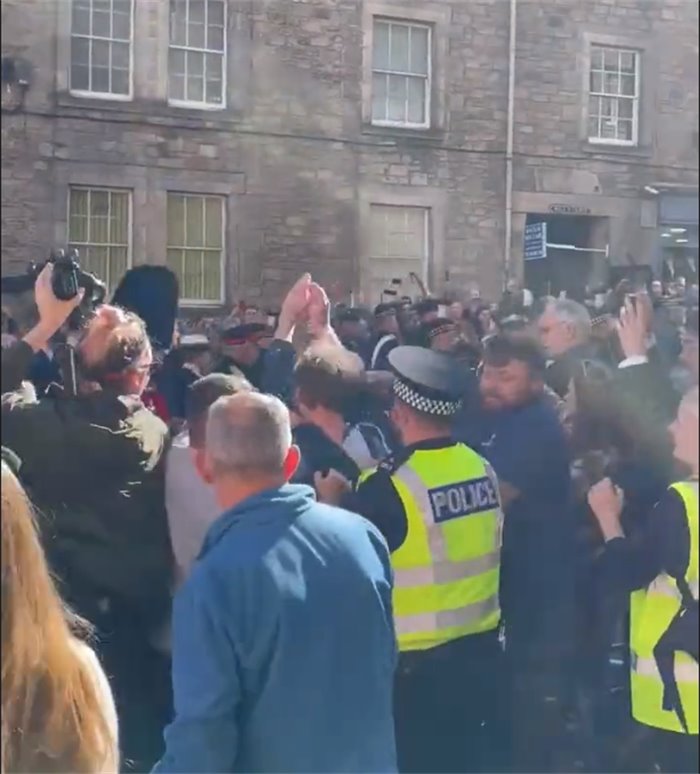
429,134
199,304
99,96
616,148
153,112
203,106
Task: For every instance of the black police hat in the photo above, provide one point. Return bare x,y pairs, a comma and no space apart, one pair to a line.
427,381
437,327
385,310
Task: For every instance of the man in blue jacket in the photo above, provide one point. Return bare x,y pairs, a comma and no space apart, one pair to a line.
283,636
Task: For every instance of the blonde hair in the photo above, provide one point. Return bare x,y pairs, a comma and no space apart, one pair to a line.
52,717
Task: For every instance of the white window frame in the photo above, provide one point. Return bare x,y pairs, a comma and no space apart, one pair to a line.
129,226
200,302
193,104
635,99
90,37
428,78
427,211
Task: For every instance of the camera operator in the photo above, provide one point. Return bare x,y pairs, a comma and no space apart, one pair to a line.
93,464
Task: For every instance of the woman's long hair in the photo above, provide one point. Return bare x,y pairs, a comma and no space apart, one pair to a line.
52,718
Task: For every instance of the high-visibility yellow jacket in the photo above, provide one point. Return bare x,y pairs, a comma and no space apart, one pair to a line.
652,611
447,570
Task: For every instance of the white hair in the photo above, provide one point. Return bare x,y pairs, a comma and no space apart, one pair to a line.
573,314
248,433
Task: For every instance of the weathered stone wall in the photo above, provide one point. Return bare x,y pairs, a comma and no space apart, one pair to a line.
294,158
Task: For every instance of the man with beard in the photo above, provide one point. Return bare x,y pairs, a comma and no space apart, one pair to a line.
518,431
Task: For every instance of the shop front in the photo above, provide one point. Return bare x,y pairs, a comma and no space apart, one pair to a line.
678,236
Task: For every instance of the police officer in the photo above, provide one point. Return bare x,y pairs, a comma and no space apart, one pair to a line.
437,504
659,567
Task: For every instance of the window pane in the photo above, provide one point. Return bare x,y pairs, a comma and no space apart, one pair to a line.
607,106
398,57
593,127
192,280
379,89
197,13
177,61
628,62
174,261
77,229
194,221
195,63
120,81
99,229
99,203
419,50
397,98
612,83
195,37
81,20
596,57
215,12
416,100
215,38
628,85
178,17
100,79
120,56
96,260
214,94
80,51
176,87
101,24
213,209
119,218
611,59
195,89
380,46
624,130
596,82
118,264
176,221
80,78
626,108
211,289
121,26
100,53
214,63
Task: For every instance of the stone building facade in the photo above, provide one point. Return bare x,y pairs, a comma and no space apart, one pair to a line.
245,141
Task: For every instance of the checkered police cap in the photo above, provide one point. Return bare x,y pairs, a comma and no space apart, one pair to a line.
439,407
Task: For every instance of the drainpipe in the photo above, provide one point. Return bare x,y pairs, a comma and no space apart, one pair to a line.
509,142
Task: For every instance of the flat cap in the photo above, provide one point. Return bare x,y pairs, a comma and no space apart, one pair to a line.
427,381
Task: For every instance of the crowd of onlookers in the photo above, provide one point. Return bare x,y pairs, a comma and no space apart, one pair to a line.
568,402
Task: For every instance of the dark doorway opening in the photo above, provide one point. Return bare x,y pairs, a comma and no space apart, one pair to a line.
569,270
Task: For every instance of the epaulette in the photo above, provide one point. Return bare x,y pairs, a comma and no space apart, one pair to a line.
393,462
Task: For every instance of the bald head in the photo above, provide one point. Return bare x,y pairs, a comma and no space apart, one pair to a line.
248,435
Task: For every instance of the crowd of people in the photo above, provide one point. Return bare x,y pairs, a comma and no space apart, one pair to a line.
440,535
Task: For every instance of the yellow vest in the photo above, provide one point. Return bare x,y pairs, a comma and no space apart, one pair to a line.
652,611
446,573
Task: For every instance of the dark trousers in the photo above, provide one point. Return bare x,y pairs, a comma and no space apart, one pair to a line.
444,705
647,749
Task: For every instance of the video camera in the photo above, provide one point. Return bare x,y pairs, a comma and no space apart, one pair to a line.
67,280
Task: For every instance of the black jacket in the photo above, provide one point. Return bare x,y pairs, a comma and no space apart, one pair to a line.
94,468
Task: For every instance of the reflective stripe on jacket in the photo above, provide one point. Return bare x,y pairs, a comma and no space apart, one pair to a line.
652,611
447,569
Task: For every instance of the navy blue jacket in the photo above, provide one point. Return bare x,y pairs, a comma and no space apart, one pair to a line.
283,644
